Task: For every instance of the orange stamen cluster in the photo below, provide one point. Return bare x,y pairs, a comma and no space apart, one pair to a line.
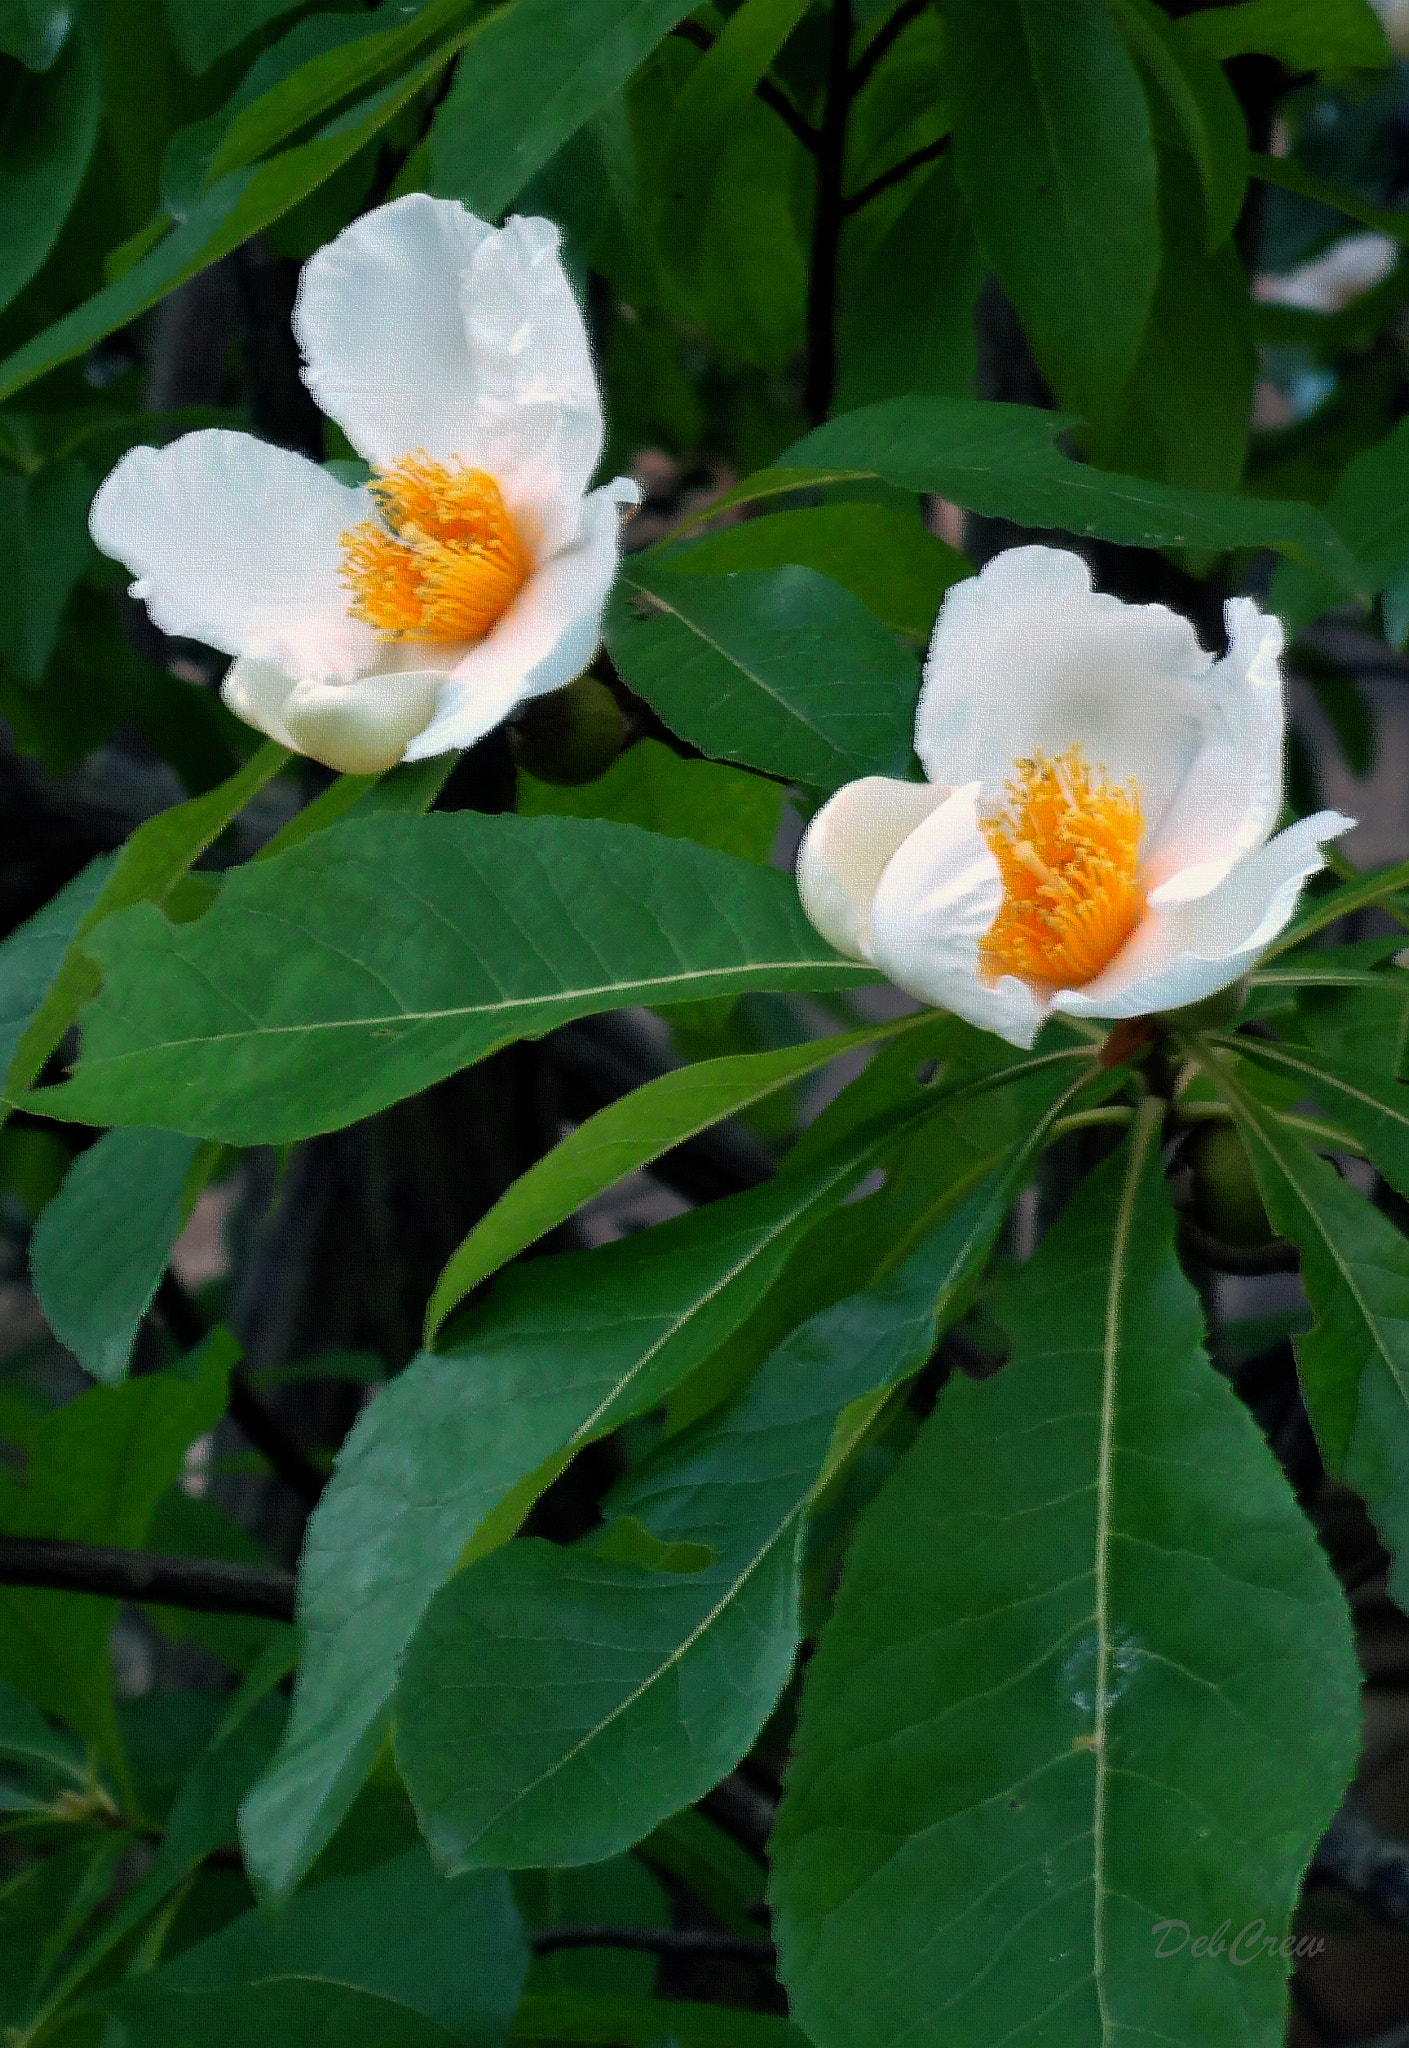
447,563
1067,843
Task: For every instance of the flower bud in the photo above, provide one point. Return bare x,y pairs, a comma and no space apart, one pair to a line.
1226,1198
572,736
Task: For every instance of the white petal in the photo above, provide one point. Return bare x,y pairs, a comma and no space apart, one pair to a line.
1229,800
380,324
423,327
236,543
546,637
1183,952
937,898
537,401
847,846
1026,656
361,728
257,692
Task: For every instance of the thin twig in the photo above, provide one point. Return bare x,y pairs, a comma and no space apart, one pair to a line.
659,1941
771,93
207,1585
884,42
829,214
931,153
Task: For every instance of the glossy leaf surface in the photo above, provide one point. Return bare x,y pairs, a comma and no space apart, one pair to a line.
1052,152
423,944
392,1953
543,1677
102,1245
616,1141
1001,460
1016,1758
564,1350
781,669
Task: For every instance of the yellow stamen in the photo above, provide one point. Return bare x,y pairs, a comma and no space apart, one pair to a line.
447,563
1067,843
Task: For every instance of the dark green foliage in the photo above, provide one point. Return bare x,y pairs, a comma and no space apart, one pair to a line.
893,1533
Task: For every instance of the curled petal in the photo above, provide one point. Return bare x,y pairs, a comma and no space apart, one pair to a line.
537,401
1229,799
236,543
1183,952
846,848
256,691
1026,657
382,330
546,637
361,728
358,728
423,327
936,901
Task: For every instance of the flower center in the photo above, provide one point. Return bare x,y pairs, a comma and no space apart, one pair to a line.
447,562
1067,844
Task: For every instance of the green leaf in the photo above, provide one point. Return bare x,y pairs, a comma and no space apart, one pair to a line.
555,1705
101,1246
95,1470
1053,156
456,1448
30,958
1088,1672
1355,1359
200,1821
1369,509
651,786
44,535
531,78
618,1140
36,1901
34,30
390,1954
27,1738
716,95
154,859
233,210
1189,400
1001,460
1307,35
906,314
724,1877
894,565
745,280
1204,109
422,944
1288,173
46,139
203,33
1324,910
1375,1112
188,165
411,788
781,669
332,75
644,2022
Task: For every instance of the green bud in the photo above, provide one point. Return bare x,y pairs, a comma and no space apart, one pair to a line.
571,736
1224,1006
1226,1199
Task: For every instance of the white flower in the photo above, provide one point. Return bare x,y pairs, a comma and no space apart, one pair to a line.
1094,834
1349,268
396,621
